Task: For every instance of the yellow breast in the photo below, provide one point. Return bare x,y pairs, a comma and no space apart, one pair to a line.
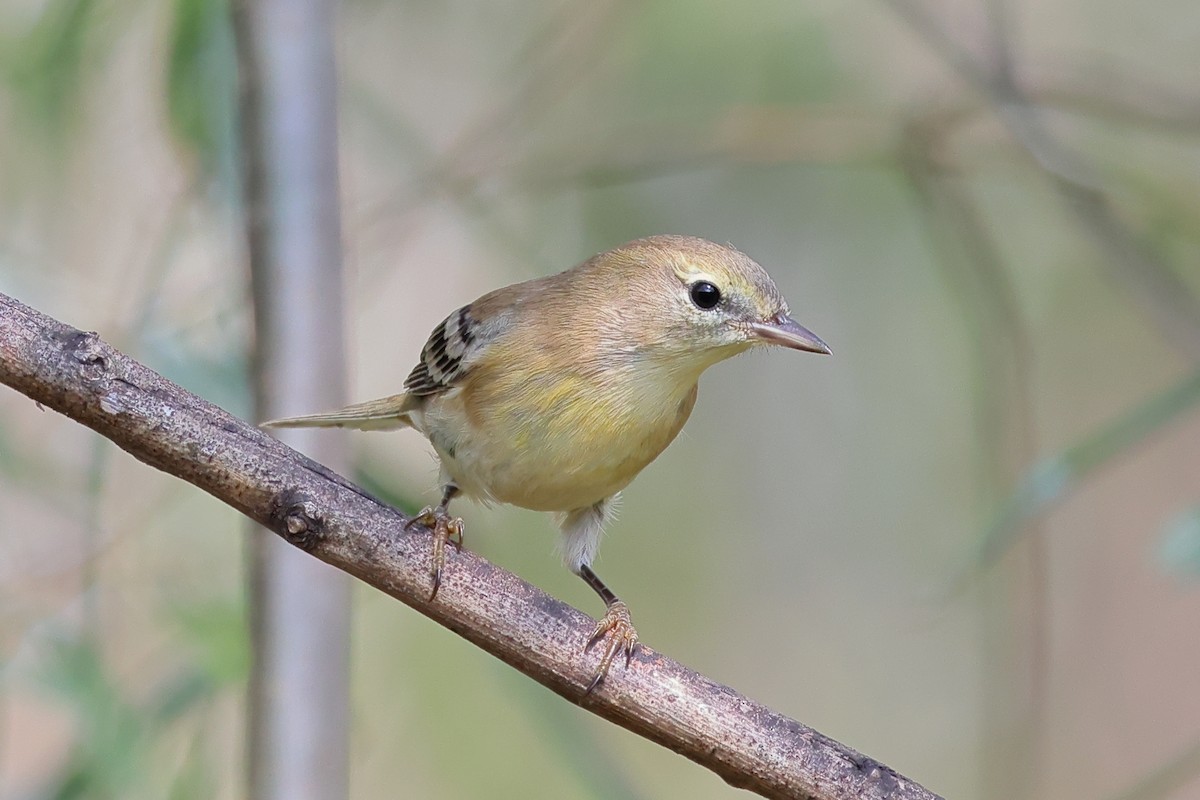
555,442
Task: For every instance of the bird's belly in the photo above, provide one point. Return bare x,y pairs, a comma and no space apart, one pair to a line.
568,458
545,477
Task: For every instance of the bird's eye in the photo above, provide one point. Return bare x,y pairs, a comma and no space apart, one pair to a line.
704,294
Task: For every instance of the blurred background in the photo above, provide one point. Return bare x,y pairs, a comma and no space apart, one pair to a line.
967,545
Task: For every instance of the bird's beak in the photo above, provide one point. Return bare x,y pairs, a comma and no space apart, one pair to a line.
785,331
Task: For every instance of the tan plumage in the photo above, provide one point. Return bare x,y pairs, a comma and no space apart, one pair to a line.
553,394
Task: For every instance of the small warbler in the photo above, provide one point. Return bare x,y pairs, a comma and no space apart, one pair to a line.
553,394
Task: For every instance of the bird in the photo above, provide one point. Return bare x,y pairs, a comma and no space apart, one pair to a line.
554,393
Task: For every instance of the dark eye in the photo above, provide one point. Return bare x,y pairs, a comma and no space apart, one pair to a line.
704,294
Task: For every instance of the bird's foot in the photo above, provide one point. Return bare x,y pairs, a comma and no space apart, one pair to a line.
444,528
618,628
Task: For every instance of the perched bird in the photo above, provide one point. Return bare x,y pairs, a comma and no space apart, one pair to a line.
553,394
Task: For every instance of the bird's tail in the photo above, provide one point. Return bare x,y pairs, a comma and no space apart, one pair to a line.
386,413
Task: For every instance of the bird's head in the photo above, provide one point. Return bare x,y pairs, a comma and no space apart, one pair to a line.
704,302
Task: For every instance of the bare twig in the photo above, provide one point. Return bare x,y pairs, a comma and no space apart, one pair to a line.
747,744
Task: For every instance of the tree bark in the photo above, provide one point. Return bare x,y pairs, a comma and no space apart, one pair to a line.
325,515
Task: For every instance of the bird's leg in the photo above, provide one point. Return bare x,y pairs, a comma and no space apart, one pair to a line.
615,624
444,528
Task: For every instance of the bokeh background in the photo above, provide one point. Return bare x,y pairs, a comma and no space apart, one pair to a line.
967,545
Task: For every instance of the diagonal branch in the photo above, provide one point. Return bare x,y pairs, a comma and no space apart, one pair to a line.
322,513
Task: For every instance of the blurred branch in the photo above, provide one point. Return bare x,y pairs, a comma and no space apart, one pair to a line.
1049,481
1166,299
554,59
1133,263
742,135
758,135
1118,97
318,511
549,64
975,271
1015,612
299,699
1168,779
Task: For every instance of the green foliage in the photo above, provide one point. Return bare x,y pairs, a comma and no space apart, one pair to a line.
371,477
112,731
123,735
46,66
782,52
1179,550
216,633
202,81
566,730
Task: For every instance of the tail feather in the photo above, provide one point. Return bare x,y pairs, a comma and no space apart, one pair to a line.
386,413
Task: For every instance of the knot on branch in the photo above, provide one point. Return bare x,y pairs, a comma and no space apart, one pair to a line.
88,351
878,774
96,367
298,519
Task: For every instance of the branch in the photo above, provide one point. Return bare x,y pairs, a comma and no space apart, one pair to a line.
322,513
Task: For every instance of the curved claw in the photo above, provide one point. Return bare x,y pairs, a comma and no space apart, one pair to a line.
436,580
615,624
444,529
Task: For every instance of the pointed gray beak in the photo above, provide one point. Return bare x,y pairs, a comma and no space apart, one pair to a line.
786,332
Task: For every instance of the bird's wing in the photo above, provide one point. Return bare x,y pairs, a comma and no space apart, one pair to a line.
446,359
448,354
